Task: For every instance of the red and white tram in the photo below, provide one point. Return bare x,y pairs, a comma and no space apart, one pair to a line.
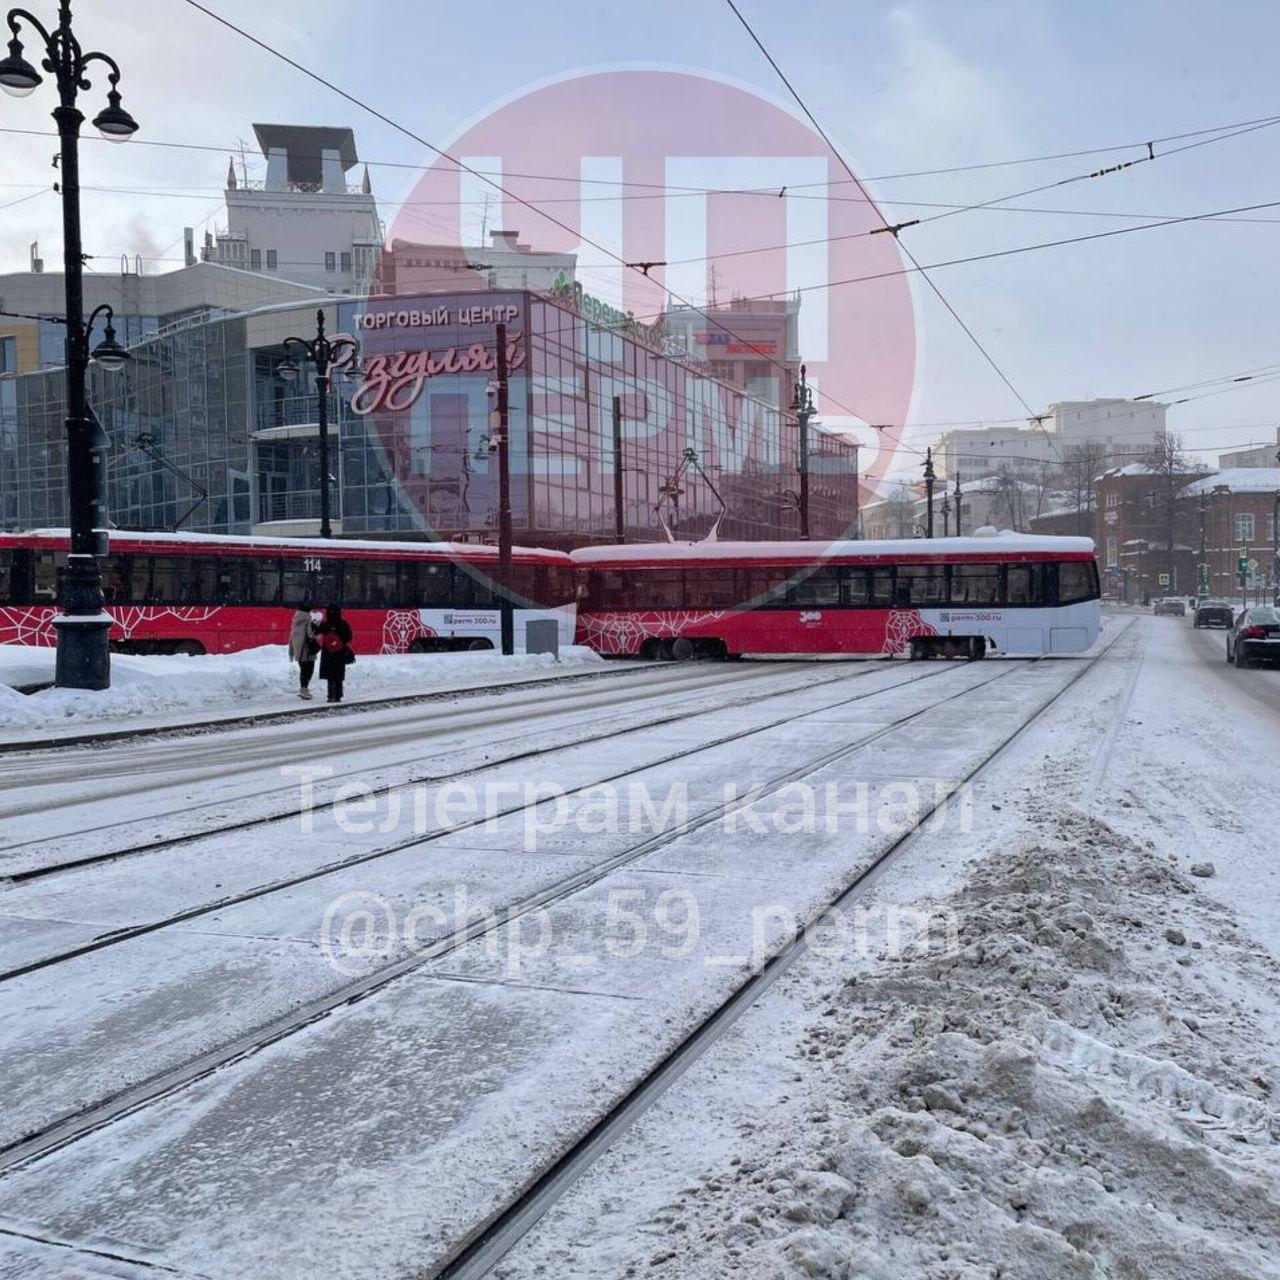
196,593
954,597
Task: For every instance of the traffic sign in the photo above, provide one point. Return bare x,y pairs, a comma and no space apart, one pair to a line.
1164,579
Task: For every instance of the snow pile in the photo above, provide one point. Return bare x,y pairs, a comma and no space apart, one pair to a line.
260,679
1081,1088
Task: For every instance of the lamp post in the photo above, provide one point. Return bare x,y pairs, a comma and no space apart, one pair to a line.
959,499
84,654
320,352
499,438
802,407
928,492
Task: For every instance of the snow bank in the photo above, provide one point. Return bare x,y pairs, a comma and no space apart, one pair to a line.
1085,1086
253,680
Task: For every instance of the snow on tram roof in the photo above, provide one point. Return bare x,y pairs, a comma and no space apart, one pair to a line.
1003,543
476,550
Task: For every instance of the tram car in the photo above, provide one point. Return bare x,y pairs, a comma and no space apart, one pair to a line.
196,593
964,597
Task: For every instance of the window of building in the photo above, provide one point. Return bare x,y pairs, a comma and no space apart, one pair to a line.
346,263
330,262
1113,498
8,355
272,259
1112,552
255,259
1244,527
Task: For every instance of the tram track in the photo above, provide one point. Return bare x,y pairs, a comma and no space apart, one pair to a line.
484,1248
708,684
115,937
72,1127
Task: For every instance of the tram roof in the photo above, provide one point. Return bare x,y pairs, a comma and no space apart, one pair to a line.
994,546
189,540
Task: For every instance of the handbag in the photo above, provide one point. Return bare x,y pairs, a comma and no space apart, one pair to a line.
349,656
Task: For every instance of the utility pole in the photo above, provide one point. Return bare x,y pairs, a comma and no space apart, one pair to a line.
802,407
928,492
958,500
505,604
84,654
619,521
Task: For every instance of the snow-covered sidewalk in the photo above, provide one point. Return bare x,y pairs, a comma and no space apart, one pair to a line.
1084,1082
164,692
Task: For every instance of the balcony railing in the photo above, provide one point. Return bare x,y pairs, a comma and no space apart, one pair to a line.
297,504
297,411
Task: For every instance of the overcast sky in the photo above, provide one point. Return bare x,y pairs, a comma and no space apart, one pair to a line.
900,86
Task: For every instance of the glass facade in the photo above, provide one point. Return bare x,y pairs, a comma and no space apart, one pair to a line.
411,436
416,453
177,423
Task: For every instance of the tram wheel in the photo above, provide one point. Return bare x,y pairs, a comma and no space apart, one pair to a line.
682,649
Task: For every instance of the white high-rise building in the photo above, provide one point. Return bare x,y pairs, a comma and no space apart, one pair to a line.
304,221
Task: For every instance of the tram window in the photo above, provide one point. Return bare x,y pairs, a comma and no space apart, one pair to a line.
975,583
296,584
607,589
921,584
527,584
708,588
1077,580
20,584
371,583
266,580
472,588
1024,584
656,589
855,584
168,579
561,584
327,582
6,576
222,579
817,590
881,588
48,565
430,586
115,580
765,585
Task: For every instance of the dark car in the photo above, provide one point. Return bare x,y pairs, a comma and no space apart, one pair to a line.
1214,615
1255,637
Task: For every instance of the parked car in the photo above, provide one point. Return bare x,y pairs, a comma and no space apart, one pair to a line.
1173,606
1255,637
1213,613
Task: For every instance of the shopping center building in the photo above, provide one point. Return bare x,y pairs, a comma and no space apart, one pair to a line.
206,436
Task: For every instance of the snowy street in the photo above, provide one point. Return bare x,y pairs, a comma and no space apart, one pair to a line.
332,995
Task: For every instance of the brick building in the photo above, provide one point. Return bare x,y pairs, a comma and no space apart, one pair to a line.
1236,509
1140,511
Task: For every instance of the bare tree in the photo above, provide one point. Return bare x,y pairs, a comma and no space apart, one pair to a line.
1170,471
1081,466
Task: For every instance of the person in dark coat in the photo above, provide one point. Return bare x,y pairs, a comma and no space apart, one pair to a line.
336,654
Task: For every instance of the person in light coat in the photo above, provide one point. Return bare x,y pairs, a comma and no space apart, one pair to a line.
303,647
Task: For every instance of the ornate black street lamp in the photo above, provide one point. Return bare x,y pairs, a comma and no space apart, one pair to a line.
321,352
84,656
